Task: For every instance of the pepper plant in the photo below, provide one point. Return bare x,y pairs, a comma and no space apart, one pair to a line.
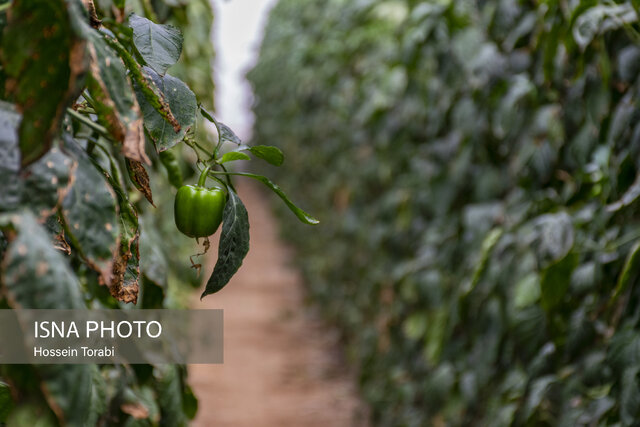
93,132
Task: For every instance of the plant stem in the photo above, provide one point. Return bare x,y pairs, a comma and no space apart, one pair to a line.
87,121
209,117
227,175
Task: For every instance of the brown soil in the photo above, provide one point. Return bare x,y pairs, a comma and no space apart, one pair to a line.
282,367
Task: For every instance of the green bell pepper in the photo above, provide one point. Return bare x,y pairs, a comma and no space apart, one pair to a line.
198,210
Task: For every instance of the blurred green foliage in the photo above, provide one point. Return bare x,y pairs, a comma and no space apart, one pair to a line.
475,166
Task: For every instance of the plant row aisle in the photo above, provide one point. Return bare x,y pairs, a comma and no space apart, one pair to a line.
476,166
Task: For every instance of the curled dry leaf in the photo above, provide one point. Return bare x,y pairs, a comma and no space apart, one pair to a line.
140,179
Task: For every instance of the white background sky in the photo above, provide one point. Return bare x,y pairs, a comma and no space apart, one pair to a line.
237,34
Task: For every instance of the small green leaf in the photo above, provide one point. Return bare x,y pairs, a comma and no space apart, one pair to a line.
232,156
302,215
234,244
490,240
269,153
189,402
629,271
226,133
159,45
555,280
555,237
527,291
629,196
182,103
6,403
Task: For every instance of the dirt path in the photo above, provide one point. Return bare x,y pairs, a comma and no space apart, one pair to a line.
282,368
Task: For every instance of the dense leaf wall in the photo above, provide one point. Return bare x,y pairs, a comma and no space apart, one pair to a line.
475,166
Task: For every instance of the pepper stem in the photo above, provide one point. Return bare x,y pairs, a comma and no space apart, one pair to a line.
203,176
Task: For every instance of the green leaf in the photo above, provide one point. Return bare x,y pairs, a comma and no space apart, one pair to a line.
152,260
232,156
169,392
629,271
600,19
99,396
159,45
67,389
225,132
302,215
234,244
144,83
490,240
183,105
90,214
9,157
6,402
555,237
527,290
555,280
31,414
630,396
415,326
46,182
537,393
189,402
629,196
44,64
269,153
36,275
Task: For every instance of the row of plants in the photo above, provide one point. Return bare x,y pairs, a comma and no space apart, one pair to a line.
476,165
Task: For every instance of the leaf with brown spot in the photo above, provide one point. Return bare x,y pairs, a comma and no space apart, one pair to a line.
35,275
140,178
46,182
182,102
117,107
91,204
126,271
44,62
